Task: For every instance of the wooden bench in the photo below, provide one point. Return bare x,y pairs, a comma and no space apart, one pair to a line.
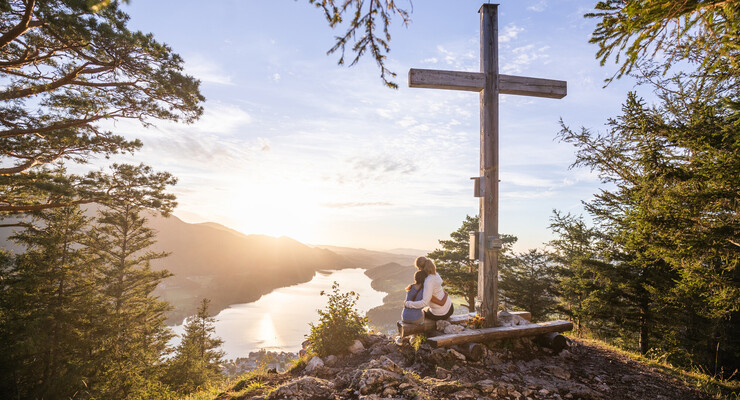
502,332
430,326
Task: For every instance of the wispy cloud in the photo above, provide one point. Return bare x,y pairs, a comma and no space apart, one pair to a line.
510,32
381,165
524,56
540,6
206,70
357,204
222,118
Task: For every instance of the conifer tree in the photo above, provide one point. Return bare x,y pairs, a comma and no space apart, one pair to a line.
527,282
671,219
48,308
132,321
197,358
452,260
66,67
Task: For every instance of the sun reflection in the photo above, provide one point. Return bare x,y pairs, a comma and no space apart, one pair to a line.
266,333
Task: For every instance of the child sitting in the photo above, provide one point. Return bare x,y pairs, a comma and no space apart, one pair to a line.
414,292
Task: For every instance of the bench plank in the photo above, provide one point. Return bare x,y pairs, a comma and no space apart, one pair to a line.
430,325
502,332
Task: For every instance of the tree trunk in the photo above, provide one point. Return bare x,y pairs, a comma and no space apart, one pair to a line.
644,326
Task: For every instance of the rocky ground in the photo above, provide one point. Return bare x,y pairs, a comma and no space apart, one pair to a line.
514,369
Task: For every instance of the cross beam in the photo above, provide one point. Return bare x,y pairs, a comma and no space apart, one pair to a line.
476,81
489,83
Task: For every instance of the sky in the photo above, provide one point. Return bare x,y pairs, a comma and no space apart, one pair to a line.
293,144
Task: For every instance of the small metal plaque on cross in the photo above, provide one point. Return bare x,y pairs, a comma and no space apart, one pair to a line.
490,84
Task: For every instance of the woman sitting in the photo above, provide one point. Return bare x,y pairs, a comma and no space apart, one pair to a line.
434,297
414,292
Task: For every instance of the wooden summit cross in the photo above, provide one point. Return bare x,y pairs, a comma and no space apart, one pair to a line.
489,83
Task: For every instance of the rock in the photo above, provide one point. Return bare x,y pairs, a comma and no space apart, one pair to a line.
389,392
314,364
331,360
377,350
442,373
356,347
602,387
453,329
307,387
385,363
442,324
558,372
374,379
456,355
486,386
465,394
493,359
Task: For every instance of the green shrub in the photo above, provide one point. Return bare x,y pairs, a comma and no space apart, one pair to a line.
340,324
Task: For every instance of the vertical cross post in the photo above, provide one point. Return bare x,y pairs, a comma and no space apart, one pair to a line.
489,162
489,83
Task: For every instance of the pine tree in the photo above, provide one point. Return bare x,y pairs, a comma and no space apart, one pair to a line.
671,219
459,272
527,282
48,308
197,358
66,67
132,321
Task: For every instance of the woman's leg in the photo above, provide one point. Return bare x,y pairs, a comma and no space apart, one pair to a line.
428,314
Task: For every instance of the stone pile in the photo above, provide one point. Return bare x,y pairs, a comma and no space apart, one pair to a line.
379,368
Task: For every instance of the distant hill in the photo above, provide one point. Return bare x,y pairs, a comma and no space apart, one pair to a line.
229,267
390,278
369,258
408,252
214,261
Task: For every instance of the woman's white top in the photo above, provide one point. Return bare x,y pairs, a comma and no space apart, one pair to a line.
432,287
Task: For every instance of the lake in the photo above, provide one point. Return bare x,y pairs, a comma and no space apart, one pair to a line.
279,320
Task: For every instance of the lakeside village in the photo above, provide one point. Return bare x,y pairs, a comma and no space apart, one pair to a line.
263,359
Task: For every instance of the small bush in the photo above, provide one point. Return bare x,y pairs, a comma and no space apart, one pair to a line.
340,324
418,340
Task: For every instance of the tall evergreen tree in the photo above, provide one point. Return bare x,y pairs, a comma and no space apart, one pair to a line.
48,308
132,321
527,282
197,358
453,263
671,217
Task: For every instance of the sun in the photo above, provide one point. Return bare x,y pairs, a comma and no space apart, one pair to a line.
276,210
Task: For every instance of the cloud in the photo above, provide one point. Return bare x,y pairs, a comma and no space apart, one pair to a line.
382,165
524,56
208,152
206,70
525,180
222,118
275,77
357,204
539,7
510,32
458,59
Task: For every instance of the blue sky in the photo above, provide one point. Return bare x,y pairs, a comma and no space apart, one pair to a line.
293,144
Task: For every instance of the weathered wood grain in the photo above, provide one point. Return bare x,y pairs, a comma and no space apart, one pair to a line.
536,87
452,80
430,326
503,332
